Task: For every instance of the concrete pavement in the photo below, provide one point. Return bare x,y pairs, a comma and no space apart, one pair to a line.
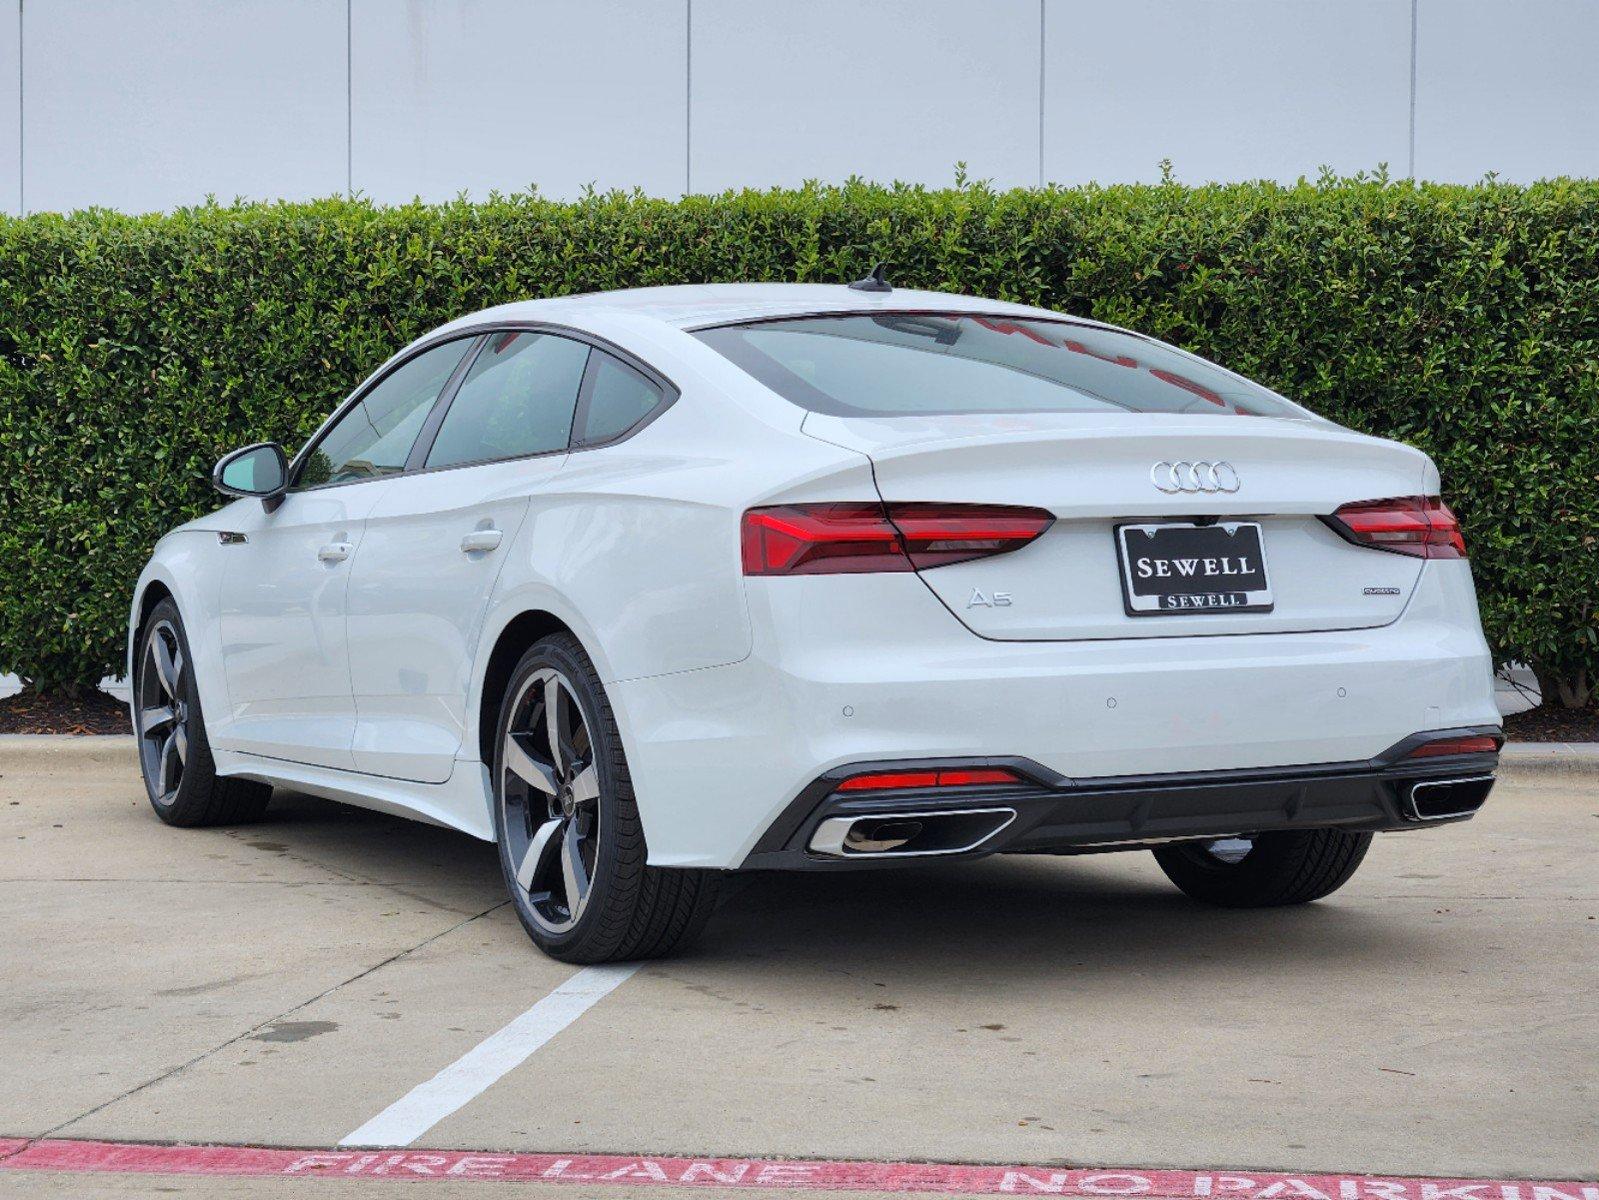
280,984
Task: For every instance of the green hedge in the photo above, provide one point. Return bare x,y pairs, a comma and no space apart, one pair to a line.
1465,320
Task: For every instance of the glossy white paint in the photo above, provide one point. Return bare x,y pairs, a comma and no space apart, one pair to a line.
1092,472
458,803
872,667
282,608
416,584
363,678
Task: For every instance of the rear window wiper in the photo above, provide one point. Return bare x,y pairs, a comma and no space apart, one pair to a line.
945,333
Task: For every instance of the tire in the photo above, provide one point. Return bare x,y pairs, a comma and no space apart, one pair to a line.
567,823
1277,869
175,759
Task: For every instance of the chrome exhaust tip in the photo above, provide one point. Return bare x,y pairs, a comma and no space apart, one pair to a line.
880,837
1441,799
918,834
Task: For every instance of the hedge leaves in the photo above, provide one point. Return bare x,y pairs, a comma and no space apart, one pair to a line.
135,350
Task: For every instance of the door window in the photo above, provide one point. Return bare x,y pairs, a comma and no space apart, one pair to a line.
374,437
619,398
516,400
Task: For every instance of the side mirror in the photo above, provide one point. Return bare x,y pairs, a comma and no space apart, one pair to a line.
261,470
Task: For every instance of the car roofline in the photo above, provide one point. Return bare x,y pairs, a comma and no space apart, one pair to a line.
1009,314
690,307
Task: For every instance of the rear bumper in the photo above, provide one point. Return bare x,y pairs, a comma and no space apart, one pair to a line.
866,668
1048,813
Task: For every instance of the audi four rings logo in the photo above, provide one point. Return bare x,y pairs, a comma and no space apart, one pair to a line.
1185,476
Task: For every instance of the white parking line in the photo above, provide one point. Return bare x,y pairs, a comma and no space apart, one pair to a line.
425,1105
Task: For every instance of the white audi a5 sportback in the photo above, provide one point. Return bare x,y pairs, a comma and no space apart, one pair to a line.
653,585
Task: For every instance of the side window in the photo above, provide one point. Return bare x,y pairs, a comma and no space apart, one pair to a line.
618,399
375,436
516,400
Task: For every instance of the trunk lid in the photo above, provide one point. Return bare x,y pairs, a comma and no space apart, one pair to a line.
1094,473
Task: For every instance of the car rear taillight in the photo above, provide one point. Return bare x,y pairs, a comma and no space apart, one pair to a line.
889,781
1421,526
1471,744
854,538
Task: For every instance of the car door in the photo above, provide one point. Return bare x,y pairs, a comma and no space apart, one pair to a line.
435,544
284,594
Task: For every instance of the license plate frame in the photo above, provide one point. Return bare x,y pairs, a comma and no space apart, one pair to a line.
1157,595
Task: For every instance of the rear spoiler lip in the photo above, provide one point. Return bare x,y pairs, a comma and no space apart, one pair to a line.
849,433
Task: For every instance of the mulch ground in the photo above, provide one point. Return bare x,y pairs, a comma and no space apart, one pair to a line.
1550,724
29,712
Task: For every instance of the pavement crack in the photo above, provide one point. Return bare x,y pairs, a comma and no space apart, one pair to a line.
341,873
349,881
273,1020
1484,1032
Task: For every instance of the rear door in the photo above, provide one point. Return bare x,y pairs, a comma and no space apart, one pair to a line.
437,541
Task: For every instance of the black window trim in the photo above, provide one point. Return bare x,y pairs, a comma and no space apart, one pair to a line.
423,445
366,388
585,396
416,464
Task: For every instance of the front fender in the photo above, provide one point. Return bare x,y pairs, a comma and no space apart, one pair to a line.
181,566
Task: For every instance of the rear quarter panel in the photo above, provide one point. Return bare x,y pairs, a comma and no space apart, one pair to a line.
639,542
635,546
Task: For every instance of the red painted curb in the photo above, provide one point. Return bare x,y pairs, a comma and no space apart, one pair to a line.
795,1175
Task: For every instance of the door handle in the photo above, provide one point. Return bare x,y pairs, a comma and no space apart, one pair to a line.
481,540
334,552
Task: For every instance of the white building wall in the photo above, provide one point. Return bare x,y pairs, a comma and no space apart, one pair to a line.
1507,87
146,104
1227,89
481,95
891,89
10,106
142,104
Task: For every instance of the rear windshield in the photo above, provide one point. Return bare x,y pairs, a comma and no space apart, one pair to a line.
914,364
